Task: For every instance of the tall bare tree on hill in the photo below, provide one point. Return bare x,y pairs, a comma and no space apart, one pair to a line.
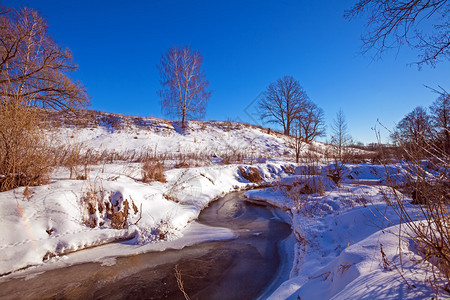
282,102
185,88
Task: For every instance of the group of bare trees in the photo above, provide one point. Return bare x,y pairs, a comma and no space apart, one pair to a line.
33,79
423,137
426,131
286,103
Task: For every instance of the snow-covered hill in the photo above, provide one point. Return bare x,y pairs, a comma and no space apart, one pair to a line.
205,139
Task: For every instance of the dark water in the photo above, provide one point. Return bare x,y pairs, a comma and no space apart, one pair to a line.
235,269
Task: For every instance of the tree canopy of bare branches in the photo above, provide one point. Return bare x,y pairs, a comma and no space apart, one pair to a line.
33,68
185,87
311,122
440,114
282,102
415,128
392,23
33,76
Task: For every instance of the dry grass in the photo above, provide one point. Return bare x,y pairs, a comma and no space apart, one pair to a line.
25,159
93,202
153,171
100,208
252,174
430,189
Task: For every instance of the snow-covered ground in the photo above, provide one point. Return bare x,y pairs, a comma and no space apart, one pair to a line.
54,219
339,230
348,244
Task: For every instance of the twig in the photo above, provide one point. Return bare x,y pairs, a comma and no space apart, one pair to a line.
180,282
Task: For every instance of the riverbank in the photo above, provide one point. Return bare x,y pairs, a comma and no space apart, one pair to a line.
348,245
43,224
241,267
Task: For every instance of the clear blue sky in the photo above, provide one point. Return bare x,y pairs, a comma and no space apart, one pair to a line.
246,45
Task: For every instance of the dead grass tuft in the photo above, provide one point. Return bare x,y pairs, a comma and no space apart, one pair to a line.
252,174
153,171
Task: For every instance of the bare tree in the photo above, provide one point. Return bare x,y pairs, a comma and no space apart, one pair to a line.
311,122
392,23
297,140
185,88
282,102
32,75
414,129
340,138
33,67
440,114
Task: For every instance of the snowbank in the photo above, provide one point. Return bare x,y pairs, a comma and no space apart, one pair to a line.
56,218
347,243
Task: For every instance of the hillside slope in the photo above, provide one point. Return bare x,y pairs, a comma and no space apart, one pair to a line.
202,139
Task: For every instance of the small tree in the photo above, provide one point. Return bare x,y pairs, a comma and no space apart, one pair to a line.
297,140
282,102
340,138
185,88
310,122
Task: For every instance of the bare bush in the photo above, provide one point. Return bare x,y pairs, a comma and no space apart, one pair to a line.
153,171
430,189
336,172
24,156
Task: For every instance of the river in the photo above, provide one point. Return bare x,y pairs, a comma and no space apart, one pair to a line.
246,267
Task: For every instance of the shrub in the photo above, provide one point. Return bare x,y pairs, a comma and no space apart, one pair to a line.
153,171
336,172
430,189
25,159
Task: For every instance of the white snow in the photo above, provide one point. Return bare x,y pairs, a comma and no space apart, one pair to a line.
338,254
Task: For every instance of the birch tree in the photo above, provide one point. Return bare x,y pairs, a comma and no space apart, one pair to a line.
185,88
